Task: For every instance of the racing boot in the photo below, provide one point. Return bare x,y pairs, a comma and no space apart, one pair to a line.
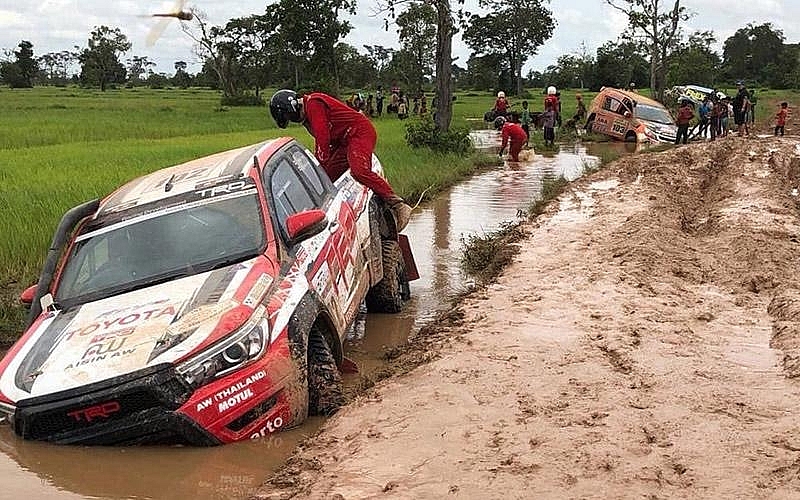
401,211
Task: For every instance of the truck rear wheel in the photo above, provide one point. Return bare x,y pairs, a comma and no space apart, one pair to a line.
389,294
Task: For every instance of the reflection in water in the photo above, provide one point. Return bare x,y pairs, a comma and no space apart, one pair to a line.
477,206
222,472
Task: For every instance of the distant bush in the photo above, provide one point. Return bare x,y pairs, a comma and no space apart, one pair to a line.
422,132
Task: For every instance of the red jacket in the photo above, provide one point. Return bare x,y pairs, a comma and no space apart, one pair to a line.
553,100
685,115
781,117
513,131
500,104
331,122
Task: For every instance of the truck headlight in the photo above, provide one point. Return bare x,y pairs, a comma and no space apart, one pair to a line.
234,351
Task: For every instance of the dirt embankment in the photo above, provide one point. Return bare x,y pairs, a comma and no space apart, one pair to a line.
644,343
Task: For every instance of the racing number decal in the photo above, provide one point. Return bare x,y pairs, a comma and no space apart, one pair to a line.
618,127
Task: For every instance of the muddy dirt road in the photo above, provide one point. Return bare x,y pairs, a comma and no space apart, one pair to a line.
645,343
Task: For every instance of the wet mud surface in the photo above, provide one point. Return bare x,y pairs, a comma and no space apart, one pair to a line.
480,204
645,343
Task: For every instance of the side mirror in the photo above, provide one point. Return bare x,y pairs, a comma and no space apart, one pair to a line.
26,297
628,114
304,225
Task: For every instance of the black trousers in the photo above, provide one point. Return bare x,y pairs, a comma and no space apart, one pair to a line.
683,131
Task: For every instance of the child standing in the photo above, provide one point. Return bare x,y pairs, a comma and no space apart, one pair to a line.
549,123
525,120
580,110
780,118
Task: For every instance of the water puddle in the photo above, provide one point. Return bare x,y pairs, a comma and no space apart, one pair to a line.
477,206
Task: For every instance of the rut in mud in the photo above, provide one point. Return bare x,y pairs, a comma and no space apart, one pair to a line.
645,342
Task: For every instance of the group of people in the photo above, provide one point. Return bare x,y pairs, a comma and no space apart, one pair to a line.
399,105
716,111
515,127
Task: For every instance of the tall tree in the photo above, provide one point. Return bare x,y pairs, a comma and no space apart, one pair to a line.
181,78
754,53
416,29
211,46
253,40
445,29
514,28
20,72
695,62
310,30
26,63
659,26
619,64
382,56
358,70
138,66
100,63
401,68
486,72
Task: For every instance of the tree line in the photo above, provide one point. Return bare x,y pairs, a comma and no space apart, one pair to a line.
298,43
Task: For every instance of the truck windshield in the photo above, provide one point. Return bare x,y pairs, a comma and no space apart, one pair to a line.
654,114
158,246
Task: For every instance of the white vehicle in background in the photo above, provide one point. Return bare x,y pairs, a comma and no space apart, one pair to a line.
694,93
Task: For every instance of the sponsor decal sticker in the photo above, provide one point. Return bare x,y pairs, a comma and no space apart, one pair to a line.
233,395
270,427
321,281
103,410
229,188
258,291
130,320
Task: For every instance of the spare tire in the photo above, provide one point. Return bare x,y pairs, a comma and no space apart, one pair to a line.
389,294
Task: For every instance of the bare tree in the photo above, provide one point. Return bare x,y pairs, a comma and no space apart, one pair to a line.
445,29
659,25
209,46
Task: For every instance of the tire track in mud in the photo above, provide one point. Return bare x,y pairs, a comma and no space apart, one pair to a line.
708,230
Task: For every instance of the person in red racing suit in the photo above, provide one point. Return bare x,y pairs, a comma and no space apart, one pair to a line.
513,133
344,138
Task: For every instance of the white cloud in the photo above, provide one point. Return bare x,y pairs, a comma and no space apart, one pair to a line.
53,25
11,20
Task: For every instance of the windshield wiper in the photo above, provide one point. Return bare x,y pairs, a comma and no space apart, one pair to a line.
227,261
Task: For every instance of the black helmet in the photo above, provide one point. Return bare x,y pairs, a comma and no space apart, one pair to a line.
499,122
285,107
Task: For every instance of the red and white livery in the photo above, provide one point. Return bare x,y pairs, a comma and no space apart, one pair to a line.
203,303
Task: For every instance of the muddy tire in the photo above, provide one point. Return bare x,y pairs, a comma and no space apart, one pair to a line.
325,395
630,136
389,294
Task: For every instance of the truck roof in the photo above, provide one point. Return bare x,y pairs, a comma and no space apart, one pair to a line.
185,177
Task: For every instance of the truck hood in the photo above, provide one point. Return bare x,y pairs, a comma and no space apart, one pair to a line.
661,129
125,333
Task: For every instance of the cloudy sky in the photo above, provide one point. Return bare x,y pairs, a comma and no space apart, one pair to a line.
54,25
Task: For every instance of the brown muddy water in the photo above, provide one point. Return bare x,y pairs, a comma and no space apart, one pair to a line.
436,231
